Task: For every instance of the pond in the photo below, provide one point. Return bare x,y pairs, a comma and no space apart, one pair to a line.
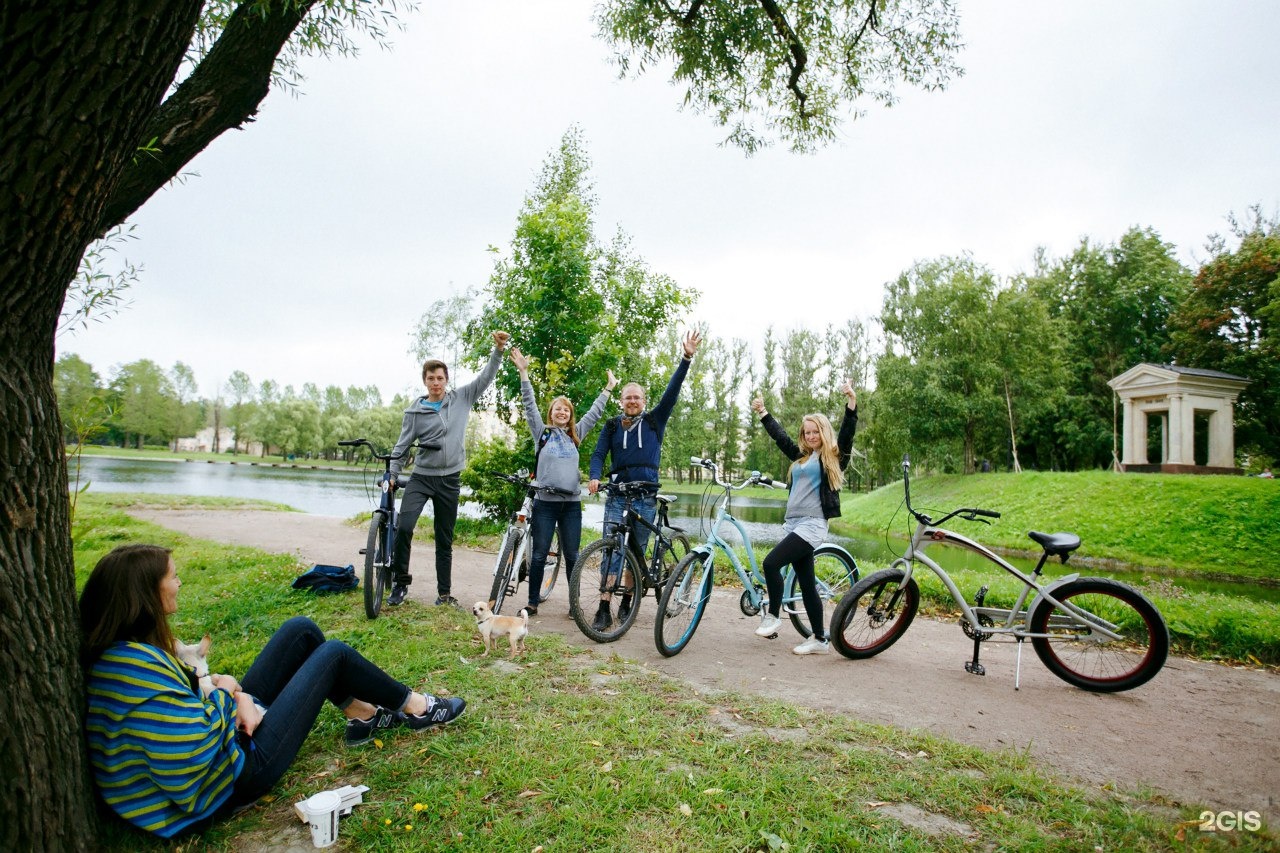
347,492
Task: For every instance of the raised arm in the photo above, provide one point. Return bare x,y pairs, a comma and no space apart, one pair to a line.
779,435
848,424
588,420
666,405
470,392
531,415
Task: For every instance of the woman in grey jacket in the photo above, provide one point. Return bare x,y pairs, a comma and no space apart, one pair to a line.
556,475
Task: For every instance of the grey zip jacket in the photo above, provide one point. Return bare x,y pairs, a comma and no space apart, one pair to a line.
558,461
447,427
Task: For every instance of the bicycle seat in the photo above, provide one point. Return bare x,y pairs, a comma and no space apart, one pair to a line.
667,499
1056,544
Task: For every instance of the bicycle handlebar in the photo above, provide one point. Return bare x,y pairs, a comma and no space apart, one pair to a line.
385,457
755,478
523,479
967,513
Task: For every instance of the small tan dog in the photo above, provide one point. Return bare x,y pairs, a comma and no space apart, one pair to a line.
491,627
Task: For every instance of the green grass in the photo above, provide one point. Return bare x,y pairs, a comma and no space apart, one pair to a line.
573,750
1199,524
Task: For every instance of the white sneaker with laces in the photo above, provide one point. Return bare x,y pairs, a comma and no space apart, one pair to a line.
813,646
769,625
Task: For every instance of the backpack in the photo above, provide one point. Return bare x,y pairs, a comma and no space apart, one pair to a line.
537,453
323,579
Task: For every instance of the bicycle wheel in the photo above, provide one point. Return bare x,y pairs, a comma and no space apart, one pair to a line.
376,565
835,572
1073,652
504,577
551,569
670,557
874,614
588,580
683,601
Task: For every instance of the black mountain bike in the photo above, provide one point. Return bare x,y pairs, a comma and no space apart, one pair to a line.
380,546
614,563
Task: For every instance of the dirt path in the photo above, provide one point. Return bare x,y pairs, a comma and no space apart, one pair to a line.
1199,732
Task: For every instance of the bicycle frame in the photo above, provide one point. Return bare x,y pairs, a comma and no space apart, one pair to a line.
753,580
621,532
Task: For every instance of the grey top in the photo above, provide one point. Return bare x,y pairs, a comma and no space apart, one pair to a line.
558,463
446,427
804,500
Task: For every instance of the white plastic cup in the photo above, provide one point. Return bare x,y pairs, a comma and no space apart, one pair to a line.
322,816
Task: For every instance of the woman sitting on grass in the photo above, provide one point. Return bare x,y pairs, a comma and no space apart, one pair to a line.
169,760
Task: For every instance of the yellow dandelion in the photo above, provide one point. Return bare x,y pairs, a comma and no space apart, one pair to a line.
417,807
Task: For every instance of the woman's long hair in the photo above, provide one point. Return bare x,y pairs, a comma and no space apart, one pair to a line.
572,429
828,453
121,601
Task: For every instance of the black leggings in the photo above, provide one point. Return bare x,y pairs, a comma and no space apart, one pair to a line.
797,553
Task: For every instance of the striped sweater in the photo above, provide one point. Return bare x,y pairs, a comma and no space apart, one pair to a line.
162,756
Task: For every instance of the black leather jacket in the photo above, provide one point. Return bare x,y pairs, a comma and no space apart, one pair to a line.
829,497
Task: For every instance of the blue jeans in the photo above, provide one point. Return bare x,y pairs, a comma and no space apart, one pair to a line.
546,515
293,675
645,507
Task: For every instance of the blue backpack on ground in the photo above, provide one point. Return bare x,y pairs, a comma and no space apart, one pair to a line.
324,579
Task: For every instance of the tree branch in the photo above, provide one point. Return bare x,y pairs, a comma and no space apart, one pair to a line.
799,58
223,92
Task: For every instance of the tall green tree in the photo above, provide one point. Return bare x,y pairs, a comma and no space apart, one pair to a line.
1230,321
79,390
88,85
146,402
576,307
938,374
239,390
1113,304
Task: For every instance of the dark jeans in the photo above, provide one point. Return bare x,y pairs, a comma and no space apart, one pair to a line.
645,507
293,675
443,493
546,515
797,553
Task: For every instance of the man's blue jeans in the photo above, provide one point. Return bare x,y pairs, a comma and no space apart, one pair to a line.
645,507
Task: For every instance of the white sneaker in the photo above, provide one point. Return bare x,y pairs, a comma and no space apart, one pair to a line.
813,646
769,626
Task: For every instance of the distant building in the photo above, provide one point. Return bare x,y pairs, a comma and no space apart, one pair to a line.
1194,411
202,442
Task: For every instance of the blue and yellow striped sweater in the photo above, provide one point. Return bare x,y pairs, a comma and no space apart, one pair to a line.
163,757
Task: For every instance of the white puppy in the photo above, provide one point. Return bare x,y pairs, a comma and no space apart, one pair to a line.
491,627
197,657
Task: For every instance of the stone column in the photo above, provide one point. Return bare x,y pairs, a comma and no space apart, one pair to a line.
1222,450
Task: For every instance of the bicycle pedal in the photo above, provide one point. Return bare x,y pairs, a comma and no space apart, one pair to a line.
772,637
364,551
974,668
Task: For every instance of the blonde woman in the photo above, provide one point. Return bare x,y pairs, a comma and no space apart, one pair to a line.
556,475
814,481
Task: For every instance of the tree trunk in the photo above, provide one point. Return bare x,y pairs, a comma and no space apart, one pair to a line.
79,79
1013,438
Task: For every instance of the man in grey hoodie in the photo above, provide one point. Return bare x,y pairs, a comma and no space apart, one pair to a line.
438,419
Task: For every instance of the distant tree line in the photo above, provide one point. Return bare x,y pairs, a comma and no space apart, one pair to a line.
963,368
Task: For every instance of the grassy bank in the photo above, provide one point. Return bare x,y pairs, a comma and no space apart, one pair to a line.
1222,525
574,750
165,454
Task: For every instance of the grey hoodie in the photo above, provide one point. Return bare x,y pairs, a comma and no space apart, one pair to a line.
446,427
558,462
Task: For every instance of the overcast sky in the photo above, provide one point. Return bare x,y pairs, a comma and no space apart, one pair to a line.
310,242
